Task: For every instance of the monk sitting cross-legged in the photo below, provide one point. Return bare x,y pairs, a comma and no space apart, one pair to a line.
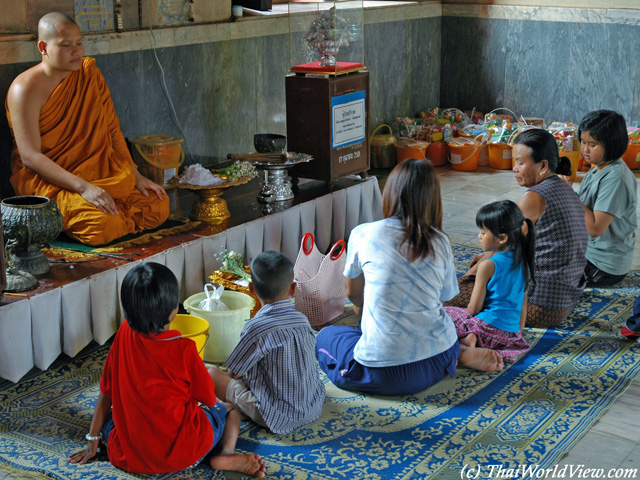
69,146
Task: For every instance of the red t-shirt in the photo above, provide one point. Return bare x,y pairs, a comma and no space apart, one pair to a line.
155,383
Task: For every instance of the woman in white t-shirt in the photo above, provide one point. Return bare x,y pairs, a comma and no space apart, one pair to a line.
399,270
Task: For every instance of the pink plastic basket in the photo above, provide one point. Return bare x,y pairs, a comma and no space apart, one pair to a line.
320,290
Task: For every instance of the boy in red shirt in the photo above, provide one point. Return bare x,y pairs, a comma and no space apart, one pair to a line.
157,409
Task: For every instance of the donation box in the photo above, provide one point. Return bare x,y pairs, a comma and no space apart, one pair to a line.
327,118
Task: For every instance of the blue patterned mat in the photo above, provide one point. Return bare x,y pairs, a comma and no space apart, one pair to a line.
529,414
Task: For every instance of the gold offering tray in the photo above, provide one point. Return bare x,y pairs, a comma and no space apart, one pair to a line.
209,207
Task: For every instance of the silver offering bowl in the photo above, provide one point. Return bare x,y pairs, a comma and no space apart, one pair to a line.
277,185
30,222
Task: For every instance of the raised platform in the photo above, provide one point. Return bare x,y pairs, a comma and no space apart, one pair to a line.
77,302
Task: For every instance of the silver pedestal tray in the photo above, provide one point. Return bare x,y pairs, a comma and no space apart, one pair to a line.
277,185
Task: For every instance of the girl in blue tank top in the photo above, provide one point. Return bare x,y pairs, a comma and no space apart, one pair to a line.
496,313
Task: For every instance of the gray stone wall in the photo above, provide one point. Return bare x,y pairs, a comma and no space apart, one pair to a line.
555,70
224,92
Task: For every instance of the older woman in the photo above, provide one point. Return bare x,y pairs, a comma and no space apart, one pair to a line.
400,269
557,213
555,209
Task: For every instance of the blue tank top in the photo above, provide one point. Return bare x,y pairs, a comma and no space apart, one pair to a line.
505,293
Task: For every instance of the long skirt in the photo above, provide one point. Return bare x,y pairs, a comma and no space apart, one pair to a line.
334,350
510,345
537,316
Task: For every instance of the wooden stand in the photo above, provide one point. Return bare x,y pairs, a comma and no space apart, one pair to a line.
327,117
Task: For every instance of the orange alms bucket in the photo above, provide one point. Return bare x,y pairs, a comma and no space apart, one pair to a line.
632,156
574,158
500,155
416,149
464,157
437,153
158,156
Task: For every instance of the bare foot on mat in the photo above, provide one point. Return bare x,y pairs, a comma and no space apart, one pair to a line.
249,463
482,359
470,340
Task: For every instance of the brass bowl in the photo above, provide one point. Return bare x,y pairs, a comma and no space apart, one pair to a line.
209,207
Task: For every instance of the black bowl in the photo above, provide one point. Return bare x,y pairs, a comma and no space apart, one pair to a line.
269,142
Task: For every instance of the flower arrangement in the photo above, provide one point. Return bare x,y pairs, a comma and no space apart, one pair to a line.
237,170
233,262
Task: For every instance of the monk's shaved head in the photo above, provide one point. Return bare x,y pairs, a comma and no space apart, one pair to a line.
48,25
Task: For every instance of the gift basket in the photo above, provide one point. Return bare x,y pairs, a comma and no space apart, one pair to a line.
464,153
501,127
566,135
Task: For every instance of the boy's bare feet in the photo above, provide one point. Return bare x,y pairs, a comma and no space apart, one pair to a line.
248,463
482,359
470,340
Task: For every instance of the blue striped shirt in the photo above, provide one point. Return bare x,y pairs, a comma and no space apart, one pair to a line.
277,353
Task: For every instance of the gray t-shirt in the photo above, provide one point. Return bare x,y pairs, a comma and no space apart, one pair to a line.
612,190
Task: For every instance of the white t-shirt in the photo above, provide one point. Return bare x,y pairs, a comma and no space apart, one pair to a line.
403,320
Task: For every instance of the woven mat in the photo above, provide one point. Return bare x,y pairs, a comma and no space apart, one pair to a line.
529,414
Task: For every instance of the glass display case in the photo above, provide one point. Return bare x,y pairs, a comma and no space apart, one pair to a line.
326,37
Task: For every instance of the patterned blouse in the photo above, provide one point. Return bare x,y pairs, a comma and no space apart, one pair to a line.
561,245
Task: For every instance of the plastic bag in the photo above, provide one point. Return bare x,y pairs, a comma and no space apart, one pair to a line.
213,303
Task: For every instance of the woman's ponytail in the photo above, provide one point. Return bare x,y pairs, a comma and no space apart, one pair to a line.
564,167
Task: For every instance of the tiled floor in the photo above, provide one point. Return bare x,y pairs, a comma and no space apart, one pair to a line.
464,192
614,441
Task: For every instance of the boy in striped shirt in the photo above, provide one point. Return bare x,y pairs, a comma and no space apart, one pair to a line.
273,376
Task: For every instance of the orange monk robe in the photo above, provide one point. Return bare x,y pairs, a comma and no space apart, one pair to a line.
80,131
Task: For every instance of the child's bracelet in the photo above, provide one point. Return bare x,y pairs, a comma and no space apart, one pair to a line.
89,438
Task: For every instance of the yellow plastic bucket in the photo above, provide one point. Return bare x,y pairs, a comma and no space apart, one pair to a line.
464,157
158,156
195,328
225,326
500,156
383,154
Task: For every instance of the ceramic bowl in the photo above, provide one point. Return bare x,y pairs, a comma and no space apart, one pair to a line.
269,142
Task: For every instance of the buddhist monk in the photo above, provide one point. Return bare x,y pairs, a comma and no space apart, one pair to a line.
69,146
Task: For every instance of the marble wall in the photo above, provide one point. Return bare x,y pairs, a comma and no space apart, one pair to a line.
224,92
557,64
545,62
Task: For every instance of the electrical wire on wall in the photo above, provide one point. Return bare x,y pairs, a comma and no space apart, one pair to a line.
165,89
